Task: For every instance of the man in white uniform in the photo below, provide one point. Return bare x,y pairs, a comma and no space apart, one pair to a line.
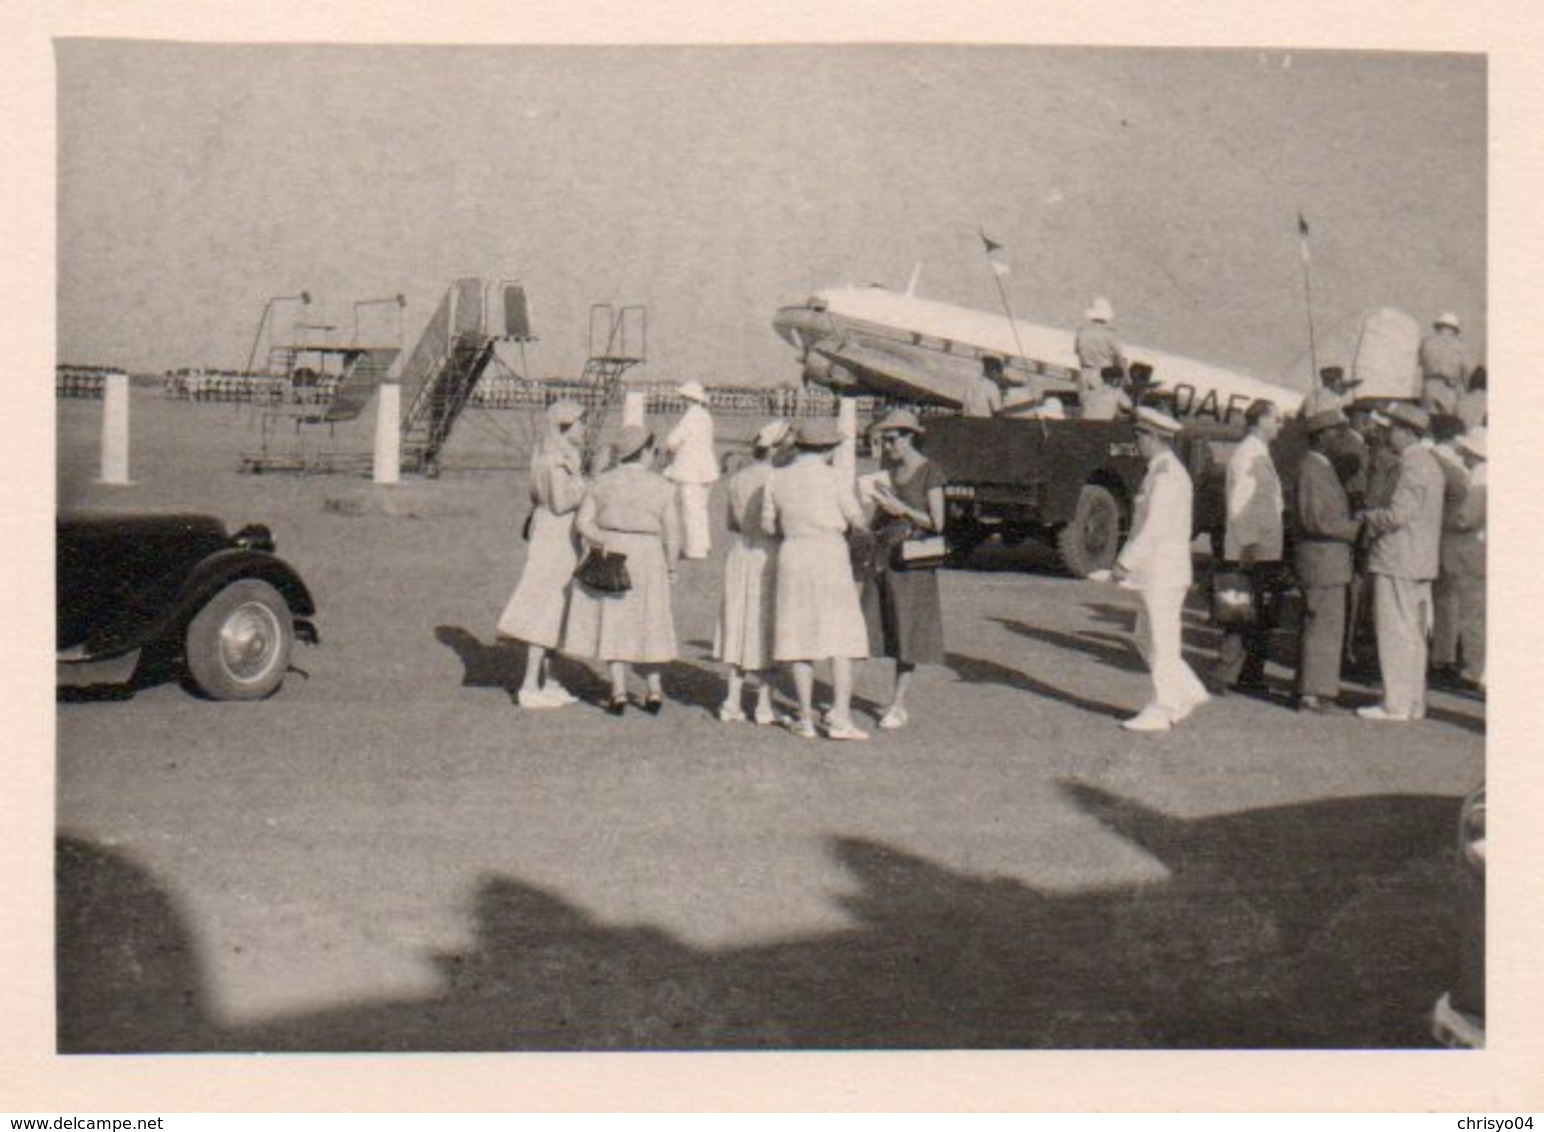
1156,562
693,467
1253,541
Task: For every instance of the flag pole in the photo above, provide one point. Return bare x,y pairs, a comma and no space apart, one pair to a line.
998,271
1313,351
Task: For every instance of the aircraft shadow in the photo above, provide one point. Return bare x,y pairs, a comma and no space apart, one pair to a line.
1327,924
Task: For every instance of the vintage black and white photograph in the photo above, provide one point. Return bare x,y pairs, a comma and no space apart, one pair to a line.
760,547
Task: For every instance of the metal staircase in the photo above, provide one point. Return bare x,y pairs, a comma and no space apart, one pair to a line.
618,341
440,375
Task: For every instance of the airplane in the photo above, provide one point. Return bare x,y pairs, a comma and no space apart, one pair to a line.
890,343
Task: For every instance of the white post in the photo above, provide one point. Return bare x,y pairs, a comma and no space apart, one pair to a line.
388,435
632,408
115,430
847,422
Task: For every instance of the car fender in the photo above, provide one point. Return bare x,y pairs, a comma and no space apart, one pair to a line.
132,630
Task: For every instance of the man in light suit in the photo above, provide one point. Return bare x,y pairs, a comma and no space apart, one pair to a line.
1403,559
1097,346
1253,541
1444,366
1156,562
1326,532
693,467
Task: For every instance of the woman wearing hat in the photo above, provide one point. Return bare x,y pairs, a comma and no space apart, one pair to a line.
693,467
743,639
630,509
817,612
901,607
534,613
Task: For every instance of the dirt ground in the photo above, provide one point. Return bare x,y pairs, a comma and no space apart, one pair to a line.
389,854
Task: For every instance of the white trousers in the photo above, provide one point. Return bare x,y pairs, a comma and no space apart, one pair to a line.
1402,612
1160,641
694,519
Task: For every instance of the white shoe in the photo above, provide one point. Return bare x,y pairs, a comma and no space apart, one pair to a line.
844,729
894,719
540,698
1183,713
803,728
767,717
728,713
1380,714
1149,719
559,694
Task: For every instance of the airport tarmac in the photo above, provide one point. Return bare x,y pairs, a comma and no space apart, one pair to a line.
389,854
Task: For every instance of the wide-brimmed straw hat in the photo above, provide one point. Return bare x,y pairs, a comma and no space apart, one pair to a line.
772,434
1323,422
899,420
818,432
1100,310
632,440
693,391
563,413
1447,318
1412,417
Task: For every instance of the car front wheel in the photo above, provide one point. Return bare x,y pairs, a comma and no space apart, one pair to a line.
238,645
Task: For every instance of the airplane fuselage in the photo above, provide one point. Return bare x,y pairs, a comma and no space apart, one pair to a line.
875,340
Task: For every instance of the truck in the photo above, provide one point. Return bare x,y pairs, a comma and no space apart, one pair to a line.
1072,484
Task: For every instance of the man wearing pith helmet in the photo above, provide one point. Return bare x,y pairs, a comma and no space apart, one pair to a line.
1444,365
1097,345
1156,562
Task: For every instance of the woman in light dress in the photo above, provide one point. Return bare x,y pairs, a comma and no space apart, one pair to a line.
629,509
902,607
534,613
743,639
817,615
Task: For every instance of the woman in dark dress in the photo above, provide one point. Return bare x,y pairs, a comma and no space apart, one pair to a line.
901,606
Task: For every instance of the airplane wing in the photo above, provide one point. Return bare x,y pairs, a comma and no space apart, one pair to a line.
892,376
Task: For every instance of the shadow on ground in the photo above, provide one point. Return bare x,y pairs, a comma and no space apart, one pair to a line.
1322,925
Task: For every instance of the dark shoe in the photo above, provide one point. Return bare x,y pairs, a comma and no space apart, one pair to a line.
654,705
1321,707
617,706
1252,686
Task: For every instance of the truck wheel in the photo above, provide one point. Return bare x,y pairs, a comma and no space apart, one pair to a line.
238,645
1091,539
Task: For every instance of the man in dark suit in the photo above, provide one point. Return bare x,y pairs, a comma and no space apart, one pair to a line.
1326,533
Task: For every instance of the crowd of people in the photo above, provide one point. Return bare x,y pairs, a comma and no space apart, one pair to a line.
1385,545
810,578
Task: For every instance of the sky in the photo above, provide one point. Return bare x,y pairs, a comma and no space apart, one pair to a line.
714,184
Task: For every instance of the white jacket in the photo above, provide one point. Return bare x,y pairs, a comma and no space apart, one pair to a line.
1254,502
690,445
1157,555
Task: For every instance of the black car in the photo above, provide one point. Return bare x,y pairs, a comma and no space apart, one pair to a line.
179,590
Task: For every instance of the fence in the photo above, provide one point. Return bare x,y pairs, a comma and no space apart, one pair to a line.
224,385
82,381
504,392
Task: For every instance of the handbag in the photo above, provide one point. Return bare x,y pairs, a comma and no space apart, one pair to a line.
927,552
604,571
1233,598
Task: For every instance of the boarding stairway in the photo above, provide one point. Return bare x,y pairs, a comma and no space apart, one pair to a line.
618,341
442,372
